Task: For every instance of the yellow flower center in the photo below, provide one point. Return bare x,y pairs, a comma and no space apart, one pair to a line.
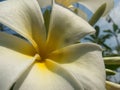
43,53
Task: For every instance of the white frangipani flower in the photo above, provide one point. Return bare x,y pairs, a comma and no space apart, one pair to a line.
47,61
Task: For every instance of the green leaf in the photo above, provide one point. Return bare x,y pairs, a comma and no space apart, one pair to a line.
97,14
119,30
107,36
106,46
108,31
112,67
115,27
97,31
93,37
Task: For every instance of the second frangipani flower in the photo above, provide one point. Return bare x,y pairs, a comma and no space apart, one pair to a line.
47,60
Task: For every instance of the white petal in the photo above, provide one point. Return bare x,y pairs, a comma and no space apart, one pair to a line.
79,12
58,69
66,2
41,78
24,17
16,44
44,3
84,62
15,58
12,65
93,5
91,75
66,28
112,60
110,72
73,52
112,86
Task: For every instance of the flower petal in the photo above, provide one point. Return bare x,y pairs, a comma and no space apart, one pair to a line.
79,12
84,62
41,78
58,69
12,65
16,44
16,55
93,5
65,28
73,52
112,60
110,72
44,3
66,2
112,86
24,17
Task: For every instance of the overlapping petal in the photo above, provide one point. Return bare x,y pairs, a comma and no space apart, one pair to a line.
16,56
75,67
66,2
65,28
41,78
93,5
79,12
24,17
83,62
16,44
44,3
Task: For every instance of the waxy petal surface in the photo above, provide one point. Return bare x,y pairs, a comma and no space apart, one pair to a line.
65,28
44,3
25,18
16,44
14,59
41,78
83,62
